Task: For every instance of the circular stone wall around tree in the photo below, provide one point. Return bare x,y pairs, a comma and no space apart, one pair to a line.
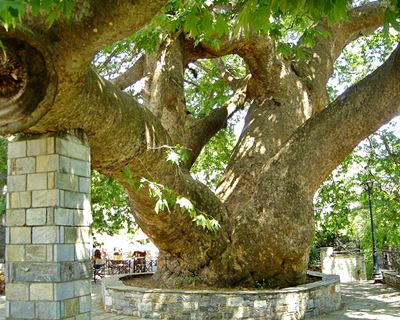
299,302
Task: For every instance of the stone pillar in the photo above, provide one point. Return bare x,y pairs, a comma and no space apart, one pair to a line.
48,236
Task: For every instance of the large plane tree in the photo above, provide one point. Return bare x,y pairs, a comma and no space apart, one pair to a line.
293,136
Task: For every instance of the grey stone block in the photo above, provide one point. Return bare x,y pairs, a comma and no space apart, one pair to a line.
68,271
16,183
64,164
45,198
82,217
15,217
47,163
84,185
80,168
71,149
63,290
41,291
37,181
47,234
66,181
22,310
34,272
36,253
25,165
20,235
83,316
70,234
84,234
82,270
85,303
37,146
19,200
64,252
74,200
70,307
36,216
63,216
82,287
48,310
17,291
15,253
82,251
16,149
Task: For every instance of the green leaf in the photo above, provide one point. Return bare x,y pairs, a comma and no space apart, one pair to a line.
35,5
392,18
191,25
221,26
127,175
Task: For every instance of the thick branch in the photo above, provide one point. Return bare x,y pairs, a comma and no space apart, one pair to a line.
106,22
201,131
130,76
122,133
322,56
335,131
164,91
226,74
227,45
389,150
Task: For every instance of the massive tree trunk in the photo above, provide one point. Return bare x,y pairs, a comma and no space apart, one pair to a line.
291,141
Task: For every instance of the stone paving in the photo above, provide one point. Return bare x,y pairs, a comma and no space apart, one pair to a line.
366,300
362,300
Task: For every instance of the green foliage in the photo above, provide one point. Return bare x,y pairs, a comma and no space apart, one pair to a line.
208,21
12,10
214,157
166,201
341,206
206,91
392,16
110,206
360,58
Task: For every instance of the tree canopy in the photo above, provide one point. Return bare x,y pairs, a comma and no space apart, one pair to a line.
157,87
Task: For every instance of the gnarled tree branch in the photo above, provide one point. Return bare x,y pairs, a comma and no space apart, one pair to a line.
318,68
130,76
226,74
104,23
201,131
336,130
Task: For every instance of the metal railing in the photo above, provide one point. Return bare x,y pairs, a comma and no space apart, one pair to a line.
112,267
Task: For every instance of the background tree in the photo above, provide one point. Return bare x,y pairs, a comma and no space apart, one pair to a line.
341,204
342,209
293,137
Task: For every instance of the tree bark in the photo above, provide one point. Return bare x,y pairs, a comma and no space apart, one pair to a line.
290,141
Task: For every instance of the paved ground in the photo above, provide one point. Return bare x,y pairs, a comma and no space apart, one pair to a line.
366,300
97,309
363,300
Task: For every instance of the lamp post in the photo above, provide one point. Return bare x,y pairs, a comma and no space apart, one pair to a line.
368,184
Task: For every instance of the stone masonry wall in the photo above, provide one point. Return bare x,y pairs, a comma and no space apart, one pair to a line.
48,228
391,278
294,303
349,267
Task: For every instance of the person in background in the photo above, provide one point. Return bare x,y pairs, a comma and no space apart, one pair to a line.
98,263
116,254
104,253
